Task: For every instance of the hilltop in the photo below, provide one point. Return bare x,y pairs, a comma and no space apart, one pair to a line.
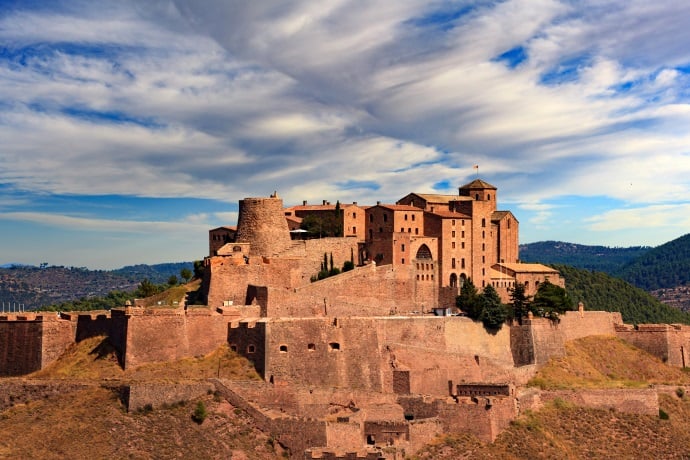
36,287
563,430
57,426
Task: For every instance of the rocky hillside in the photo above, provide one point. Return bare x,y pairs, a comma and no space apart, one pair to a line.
565,431
88,420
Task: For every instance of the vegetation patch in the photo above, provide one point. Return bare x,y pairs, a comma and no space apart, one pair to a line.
605,362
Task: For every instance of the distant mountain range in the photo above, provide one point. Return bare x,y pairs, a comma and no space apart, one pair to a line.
35,287
663,271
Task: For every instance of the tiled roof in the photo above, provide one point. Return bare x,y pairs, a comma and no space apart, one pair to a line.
478,183
436,198
401,207
447,214
527,268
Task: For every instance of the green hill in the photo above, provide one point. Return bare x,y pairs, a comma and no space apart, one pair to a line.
600,291
665,266
599,258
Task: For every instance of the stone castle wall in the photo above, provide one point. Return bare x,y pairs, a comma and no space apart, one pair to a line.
670,343
20,347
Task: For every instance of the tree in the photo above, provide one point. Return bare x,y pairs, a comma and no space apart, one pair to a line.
172,280
200,413
551,300
186,274
199,269
468,300
519,301
494,313
146,289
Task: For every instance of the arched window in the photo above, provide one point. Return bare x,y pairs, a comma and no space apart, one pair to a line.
453,280
423,252
483,222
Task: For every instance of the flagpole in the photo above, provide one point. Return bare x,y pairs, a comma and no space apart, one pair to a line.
477,168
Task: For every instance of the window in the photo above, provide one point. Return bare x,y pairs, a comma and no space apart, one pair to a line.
452,222
412,217
462,263
354,215
453,244
462,222
476,196
354,229
462,234
452,263
483,222
483,259
380,229
311,347
334,346
423,252
402,230
483,234
405,216
283,348
409,230
251,348
462,245
508,223
385,217
452,234
233,348
371,217
483,247
488,197
416,231
403,261
402,248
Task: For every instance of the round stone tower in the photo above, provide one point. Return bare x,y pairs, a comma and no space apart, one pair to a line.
261,222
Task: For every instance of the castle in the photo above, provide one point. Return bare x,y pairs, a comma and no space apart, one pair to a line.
356,365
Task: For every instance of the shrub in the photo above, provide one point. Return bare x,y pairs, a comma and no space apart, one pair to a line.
680,392
199,413
662,414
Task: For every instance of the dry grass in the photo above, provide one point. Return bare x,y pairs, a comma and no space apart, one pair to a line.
91,424
96,359
606,362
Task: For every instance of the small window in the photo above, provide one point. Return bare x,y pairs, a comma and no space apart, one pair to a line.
462,263
453,234
402,230
333,346
452,263
483,222
380,229
483,247
483,259
354,229
354,215
402,248
311,347
462,245
416,231
483,234
412,217
371,217
233,348
405,216
403,261
462,234
453,244
409,230
452,222
385,217
283,348
251,349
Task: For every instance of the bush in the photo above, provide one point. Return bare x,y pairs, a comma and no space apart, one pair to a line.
680,392
200,413
662,414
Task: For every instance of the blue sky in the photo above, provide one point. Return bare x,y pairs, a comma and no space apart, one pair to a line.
128,129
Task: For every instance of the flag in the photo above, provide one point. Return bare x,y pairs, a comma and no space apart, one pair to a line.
476,166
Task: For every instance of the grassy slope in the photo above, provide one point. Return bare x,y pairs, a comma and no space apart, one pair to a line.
563,431
92,423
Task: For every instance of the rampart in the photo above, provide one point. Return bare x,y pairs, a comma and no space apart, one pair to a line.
159,394
31,341
538,339
633,401
668,342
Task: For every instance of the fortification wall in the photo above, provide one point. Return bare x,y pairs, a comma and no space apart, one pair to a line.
20,346
670,343
297,433
366,291
159,394
324,351
539,339
16,391
634,401
31,341
365,352
171,334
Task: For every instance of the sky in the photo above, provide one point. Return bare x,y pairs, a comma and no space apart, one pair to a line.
128,129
